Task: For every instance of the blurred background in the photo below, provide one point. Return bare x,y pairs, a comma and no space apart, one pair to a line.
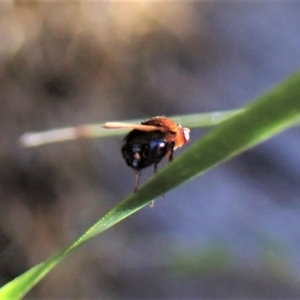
232,233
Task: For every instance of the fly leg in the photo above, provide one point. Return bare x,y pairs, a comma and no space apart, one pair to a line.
137,180
155,171
162,196
170,155
155,168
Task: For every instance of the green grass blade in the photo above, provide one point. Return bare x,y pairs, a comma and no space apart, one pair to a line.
270,114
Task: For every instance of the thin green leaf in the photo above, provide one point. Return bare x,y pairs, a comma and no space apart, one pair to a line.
270,114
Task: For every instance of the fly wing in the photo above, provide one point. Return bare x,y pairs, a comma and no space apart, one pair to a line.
120,125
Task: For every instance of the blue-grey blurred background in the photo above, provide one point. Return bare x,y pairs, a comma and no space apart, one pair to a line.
232,233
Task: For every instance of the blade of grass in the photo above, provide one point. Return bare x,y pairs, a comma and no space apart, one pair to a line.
270,114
